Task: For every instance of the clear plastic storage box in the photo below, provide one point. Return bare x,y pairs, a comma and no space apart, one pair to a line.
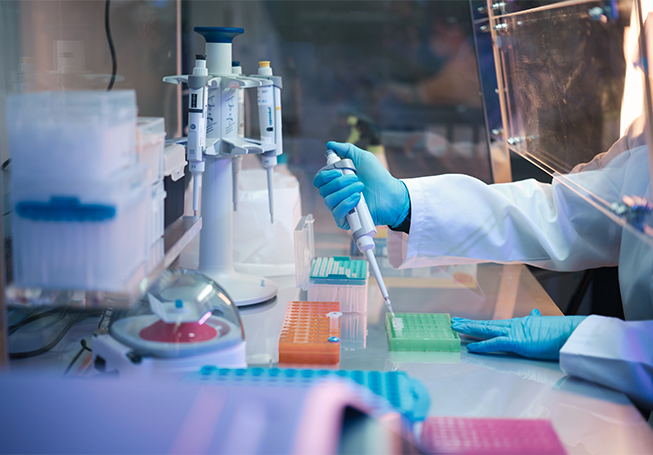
334,279
80,234
174,161
88,134
150,142
158,211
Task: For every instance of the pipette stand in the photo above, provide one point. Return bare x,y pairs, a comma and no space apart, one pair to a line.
216,237
223,145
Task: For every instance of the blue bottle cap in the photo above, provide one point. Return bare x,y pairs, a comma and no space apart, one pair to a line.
219,34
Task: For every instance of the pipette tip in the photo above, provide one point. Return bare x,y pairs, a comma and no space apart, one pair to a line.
389,305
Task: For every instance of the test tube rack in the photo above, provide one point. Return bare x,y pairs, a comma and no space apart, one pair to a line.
310,333
407,395
421,332
461,435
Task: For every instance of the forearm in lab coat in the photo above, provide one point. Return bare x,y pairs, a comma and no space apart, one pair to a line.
613,353
459,219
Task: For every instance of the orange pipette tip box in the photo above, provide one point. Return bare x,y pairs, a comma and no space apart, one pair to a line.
309,335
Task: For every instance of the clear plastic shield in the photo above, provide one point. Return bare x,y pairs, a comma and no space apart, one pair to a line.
574,98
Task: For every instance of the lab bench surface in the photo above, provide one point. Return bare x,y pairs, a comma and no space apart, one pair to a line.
587,417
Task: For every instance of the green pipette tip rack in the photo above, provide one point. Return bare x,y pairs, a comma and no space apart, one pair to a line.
421,332
339,270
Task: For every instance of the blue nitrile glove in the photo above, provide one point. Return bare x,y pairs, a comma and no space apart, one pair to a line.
534,336
386,197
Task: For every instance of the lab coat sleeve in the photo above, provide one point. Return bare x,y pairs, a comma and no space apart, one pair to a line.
614,353
458,219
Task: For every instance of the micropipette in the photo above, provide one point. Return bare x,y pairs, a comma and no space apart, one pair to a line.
361,224
269,111
197,113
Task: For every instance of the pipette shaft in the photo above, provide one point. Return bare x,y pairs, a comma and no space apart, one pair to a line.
379,279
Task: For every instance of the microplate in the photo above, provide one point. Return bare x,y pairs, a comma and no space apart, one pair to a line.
421,332
406,394
308,335
476,436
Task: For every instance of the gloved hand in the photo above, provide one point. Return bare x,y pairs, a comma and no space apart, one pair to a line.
386,197
534,336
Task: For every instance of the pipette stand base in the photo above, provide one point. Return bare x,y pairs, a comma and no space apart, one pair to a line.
216,238
244,289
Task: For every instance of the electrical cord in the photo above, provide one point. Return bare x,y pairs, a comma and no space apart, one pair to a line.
84,345
52,344
74,318
34,316
104,313
84,348
107,29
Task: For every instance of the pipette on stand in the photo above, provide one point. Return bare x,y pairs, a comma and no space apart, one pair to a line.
197,110
361,224
269,112
237,161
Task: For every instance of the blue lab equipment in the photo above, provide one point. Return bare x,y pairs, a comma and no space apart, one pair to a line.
386,197
535,336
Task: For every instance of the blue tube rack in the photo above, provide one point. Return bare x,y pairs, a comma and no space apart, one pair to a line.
407,395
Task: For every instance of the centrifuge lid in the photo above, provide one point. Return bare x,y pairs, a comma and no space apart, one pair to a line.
188,314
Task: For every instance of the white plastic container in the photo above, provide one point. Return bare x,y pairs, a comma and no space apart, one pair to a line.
156,255
158,211
90,235
174,161
90,134
150,141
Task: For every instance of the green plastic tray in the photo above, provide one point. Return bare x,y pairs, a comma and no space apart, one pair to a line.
421,332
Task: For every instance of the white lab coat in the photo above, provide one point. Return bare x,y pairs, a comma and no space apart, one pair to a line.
459,219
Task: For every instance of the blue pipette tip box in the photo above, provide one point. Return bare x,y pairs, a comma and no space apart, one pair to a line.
407,395
329,279
339,279
339,270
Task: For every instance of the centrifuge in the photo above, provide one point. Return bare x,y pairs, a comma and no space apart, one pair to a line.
185,321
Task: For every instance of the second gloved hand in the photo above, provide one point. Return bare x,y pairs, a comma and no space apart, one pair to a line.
534,336
386,197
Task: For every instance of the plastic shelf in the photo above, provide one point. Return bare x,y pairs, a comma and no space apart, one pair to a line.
421,332
407,395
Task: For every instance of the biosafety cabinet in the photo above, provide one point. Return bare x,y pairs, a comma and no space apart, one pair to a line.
562,82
